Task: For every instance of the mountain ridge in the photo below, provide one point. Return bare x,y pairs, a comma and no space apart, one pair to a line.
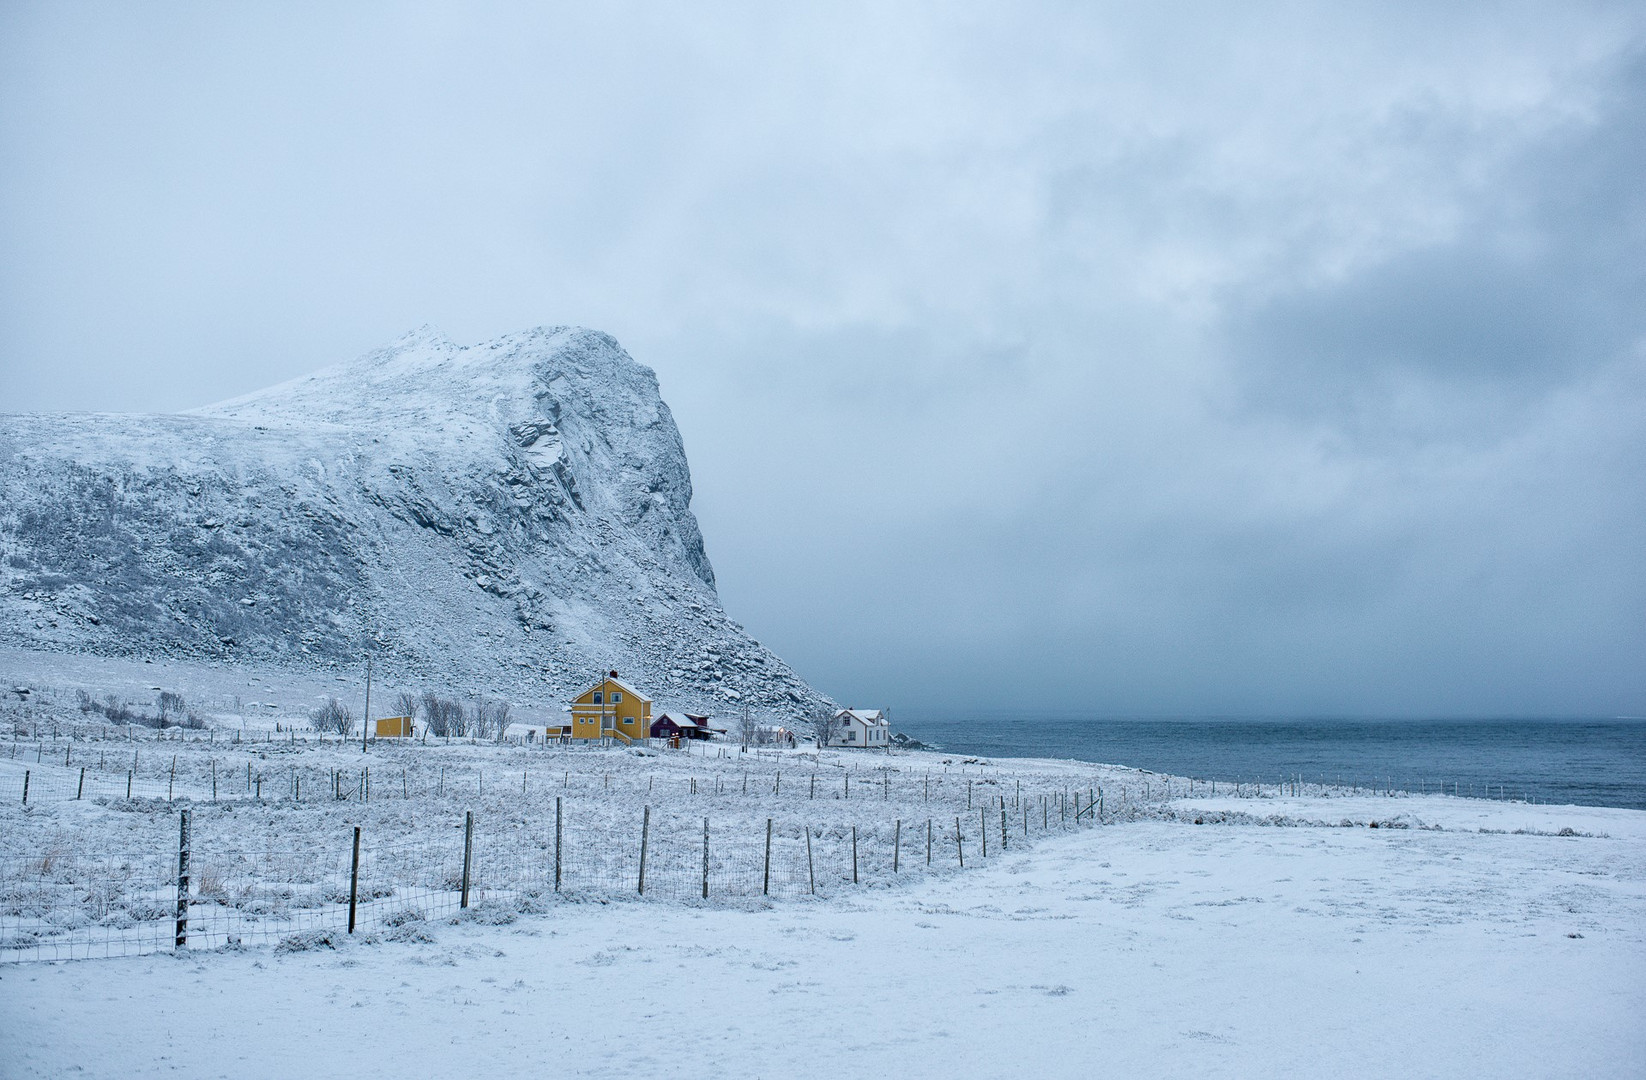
514,513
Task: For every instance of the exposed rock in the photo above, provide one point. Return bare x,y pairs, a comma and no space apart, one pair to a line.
511,512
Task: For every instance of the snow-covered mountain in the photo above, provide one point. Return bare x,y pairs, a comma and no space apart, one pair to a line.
513,515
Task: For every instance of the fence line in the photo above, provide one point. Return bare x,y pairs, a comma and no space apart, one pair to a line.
71,905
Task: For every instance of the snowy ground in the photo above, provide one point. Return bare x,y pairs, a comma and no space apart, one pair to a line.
1192,933
1154,947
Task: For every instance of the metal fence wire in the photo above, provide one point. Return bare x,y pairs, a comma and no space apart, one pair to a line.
63,905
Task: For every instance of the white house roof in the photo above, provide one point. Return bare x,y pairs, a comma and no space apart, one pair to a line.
867,716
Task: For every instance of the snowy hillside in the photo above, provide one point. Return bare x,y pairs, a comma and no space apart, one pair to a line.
513,515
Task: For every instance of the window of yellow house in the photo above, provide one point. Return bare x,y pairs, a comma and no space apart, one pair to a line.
616,697
597,697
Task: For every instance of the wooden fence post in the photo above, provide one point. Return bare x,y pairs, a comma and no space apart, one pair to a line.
854,854
468,853
128,783
983,828
354,877
645,830
766,877
705,858
928,841
959,848
558,832
897,843
1003,825
26,787
811,875
213,779
81,790
182,937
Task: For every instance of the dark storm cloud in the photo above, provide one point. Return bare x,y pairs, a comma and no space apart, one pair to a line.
1540,285
1278,358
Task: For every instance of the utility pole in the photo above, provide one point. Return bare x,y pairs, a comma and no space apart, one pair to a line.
365,721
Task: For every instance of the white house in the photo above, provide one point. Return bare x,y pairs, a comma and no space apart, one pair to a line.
862,727
531,733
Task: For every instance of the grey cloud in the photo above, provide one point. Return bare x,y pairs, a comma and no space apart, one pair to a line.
1284,358
1540,284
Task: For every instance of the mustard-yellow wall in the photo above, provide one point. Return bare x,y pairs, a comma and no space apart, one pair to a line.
632,716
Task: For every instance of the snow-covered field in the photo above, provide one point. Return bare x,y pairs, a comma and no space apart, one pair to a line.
1280,935
1190,930
1154,947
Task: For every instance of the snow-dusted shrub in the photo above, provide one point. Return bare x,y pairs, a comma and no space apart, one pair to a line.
310,940
445,717
410,932
170,704
820,722
402,917
333,716
490,719
490,913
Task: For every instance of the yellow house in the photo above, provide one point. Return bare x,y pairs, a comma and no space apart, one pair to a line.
394,727
611,709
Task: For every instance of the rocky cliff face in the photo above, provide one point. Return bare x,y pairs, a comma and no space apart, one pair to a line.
512,515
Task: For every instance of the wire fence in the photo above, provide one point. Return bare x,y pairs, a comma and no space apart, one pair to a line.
280,772
75,906
60,905
696,825
212,780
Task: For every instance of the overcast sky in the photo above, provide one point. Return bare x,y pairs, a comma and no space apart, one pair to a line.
1123,358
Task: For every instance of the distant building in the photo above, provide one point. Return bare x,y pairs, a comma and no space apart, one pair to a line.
774,735
681,725
611,709
866,728
532,733
393,727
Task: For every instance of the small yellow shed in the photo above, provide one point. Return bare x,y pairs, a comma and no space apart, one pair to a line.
394,727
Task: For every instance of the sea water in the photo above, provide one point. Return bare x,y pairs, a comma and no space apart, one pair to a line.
1595,762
